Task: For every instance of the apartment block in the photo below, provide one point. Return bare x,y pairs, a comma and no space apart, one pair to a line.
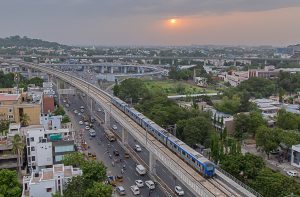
48,181
47,147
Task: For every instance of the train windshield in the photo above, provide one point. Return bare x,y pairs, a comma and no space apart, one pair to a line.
210,168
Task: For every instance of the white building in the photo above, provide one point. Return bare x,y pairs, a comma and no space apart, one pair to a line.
48,181
47,147
295,156
51,122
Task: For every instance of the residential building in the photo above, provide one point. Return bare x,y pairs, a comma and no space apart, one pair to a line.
8,158
220,120
47,147
50,122
13,106
295,155
48,181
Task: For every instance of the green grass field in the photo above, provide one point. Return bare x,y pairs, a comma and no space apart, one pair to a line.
171,87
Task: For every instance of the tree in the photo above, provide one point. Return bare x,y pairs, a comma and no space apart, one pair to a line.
59,111
17,147
9,184
116,90
99,190
132,89
36,81
76,187
270,184
65,119
287,120
94,171
267,139
24,119
229,105
75,159
197,131
4,125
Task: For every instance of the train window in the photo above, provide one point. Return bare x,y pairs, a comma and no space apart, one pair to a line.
183,153
193,160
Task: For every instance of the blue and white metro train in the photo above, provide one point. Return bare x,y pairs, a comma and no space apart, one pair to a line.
195,159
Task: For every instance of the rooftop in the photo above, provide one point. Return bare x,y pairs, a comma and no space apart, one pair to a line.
9,97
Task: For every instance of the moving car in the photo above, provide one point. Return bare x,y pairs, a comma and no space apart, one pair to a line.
150,184
121,190
135,190
79,114
75,111
139,183
81,107
82,110
80,122
179,191
92,133
137,148
114,127
87,127
292,173
140,169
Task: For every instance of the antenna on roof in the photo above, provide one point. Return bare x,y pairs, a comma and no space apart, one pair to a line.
17,80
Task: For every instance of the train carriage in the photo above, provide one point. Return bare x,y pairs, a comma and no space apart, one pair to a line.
189,155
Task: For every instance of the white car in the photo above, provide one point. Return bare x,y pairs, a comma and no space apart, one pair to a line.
64,101
115,127
79,114
292,173
137,148
150,184
92,132
80,122
139,183
179,191
86,123
99,110
75,111
81,107
87,128
135,190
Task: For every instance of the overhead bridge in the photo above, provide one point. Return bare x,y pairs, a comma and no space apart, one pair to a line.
222,185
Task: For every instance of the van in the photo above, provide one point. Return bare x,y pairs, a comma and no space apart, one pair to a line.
140,169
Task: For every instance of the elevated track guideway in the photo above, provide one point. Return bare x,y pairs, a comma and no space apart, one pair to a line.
219,186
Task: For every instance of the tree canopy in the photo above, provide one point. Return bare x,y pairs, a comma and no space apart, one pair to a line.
132,89
9,184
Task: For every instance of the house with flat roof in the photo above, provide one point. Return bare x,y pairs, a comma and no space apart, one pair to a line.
48,181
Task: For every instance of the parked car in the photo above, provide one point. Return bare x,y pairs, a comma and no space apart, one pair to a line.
114,127
135,190
81,107
121,190
80,122
137,148
292,173
75,111
179,191
92,133
150,184
139,183
87,127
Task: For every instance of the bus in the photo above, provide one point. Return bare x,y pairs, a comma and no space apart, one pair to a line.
110,135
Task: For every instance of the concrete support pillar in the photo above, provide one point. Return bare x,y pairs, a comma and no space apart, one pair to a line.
102,69
57,88
173,61
125,69
205,62
111,69
138,70
91,105
124,136
48,77
234,63
189,62
142,70
266,62
159,61
107,118
152,163
29,73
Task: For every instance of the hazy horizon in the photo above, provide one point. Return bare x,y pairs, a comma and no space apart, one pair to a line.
148,23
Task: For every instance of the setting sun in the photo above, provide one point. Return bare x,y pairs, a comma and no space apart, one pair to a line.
173,20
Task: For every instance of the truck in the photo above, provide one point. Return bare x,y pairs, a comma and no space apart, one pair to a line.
141,169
